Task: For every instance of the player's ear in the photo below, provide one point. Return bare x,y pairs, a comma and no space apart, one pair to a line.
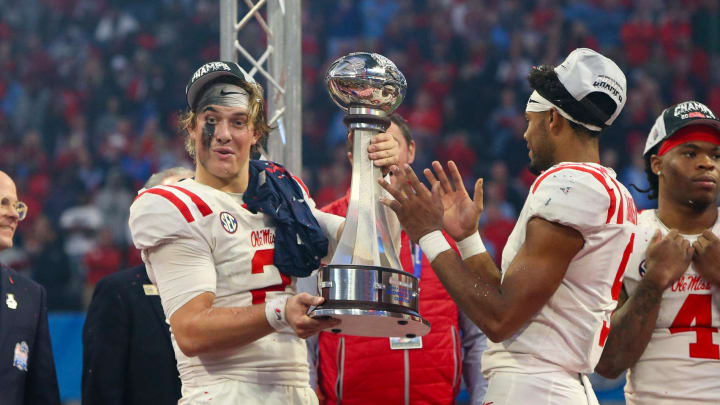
411,152
656,164
555,121
550,119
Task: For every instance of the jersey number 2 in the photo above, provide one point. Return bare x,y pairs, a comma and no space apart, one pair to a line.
698,308
262,258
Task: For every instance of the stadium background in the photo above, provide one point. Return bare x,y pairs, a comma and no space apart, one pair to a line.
90,91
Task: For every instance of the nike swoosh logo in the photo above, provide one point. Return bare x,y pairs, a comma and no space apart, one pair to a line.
225,93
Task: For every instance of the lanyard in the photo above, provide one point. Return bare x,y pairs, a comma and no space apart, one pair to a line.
417,262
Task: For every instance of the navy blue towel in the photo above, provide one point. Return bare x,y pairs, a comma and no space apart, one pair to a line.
299,240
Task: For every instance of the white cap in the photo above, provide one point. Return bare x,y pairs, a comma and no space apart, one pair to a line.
585,71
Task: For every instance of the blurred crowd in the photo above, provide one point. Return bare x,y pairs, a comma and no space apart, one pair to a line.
90,92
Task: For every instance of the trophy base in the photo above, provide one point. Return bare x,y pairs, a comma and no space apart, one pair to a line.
370,301
374,323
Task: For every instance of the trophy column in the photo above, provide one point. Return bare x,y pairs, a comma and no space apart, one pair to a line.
365,285
366,216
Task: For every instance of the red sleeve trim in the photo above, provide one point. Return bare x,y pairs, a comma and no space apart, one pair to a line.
620,208
617,284
179,204
304,187
202,206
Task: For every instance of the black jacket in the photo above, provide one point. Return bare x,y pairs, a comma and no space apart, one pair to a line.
128,358
27,367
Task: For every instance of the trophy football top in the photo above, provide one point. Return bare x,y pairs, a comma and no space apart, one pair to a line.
366,79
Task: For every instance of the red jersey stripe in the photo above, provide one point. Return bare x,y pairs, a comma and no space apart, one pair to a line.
598,176
617,284
604,333
620,209
621,206
304,187
181,206
204,208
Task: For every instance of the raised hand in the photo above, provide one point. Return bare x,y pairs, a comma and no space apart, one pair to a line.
418,210
461,214
304,326
707,256
667,258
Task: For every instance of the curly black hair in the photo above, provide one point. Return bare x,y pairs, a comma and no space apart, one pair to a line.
545,81
653,179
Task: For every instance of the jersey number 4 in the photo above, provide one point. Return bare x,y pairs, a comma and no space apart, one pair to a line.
698,308
262,258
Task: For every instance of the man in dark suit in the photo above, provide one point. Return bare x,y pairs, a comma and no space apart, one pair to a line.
128,357
27,367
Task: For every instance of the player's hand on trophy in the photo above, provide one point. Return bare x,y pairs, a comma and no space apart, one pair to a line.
296,310
461,214
419,210
707,256
383,150
667,258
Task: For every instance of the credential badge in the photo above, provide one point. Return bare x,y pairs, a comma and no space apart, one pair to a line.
20,361
10,301
228,222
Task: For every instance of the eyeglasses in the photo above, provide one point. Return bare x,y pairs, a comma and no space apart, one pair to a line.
20,207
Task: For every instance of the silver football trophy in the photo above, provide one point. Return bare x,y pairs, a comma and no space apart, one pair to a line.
364,285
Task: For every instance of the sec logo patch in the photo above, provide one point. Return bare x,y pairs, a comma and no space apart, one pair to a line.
229,223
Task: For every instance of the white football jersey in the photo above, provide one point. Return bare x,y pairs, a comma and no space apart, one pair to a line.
569,332
242,246
681,363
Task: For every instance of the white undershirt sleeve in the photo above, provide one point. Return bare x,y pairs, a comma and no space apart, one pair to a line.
329,223
182,270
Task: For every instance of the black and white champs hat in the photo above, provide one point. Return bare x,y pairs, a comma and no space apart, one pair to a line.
676,117
209,72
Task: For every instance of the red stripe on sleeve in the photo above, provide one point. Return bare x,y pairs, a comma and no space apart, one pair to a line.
202,206
604,332
304,187
599,177
620,209
617,284
179,204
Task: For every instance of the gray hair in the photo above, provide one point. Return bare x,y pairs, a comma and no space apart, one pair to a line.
160,177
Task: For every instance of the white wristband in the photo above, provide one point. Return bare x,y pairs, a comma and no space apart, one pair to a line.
471,246
433,244
275,312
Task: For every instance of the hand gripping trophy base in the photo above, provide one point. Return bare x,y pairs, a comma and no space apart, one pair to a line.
364,286
371,301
